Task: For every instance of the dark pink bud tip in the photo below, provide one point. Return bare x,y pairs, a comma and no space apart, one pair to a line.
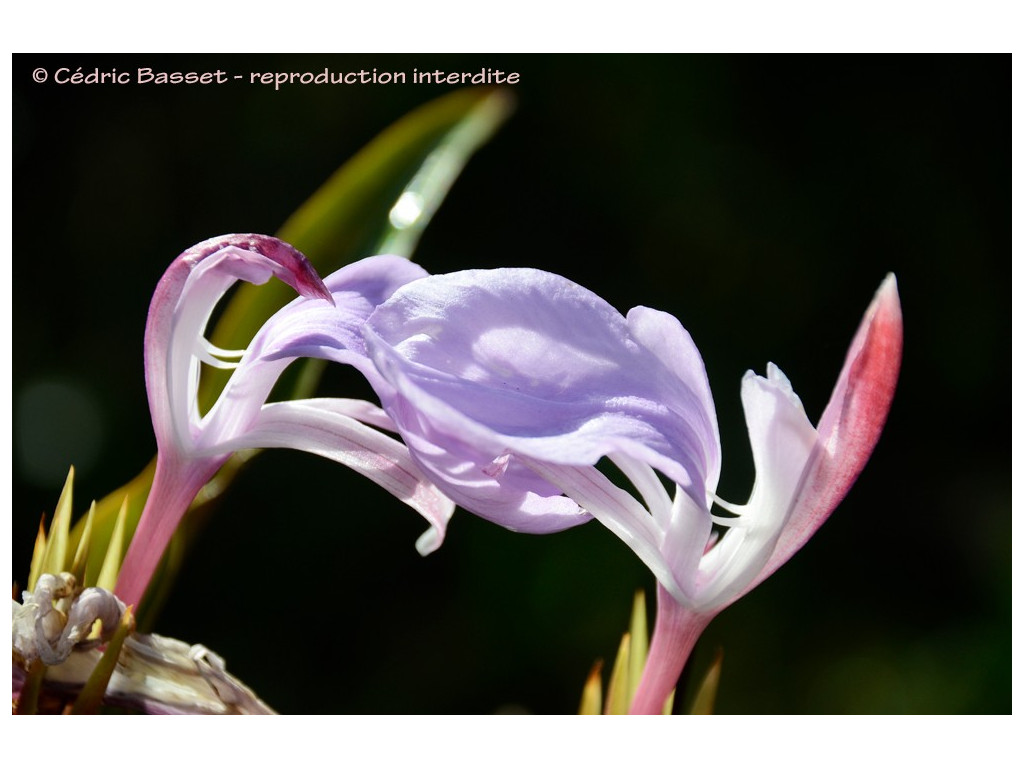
291,266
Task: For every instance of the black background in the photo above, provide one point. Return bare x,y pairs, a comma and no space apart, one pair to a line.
759,199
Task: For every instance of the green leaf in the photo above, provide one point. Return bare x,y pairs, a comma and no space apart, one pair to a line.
366,207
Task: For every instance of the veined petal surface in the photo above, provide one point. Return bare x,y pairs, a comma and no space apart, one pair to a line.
527,363
307,328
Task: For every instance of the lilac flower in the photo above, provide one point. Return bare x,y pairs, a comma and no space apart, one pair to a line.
510,385
324,322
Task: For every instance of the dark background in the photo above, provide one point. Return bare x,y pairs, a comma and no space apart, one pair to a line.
759,199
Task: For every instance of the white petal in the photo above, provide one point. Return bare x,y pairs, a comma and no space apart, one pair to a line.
646,481
181,306
620,513
782,440
317,426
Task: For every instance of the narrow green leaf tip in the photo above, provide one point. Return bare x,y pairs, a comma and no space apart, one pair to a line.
91,696
638,642
704,701
590,701
55,558
107,576
78,565
618,686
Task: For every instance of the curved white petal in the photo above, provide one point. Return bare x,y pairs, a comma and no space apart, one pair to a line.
619,512
180,309
322,322
322,427
782,440
685,542
646,481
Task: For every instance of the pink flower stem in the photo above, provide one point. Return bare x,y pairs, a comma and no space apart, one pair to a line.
175,485
676,630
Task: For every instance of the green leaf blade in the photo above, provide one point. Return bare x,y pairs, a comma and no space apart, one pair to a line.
351,215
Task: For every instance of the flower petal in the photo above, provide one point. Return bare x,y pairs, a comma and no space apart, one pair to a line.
307,328
181,307
314,329
324,427
503,490
665,336
782,441
852,421
174,346
523,362
618,511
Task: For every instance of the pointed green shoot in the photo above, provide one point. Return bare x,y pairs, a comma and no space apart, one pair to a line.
56,554
38,553
91,697
638,642
669,702
82,552
590,701
106,577
626,673
618,685
105,519
704,701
